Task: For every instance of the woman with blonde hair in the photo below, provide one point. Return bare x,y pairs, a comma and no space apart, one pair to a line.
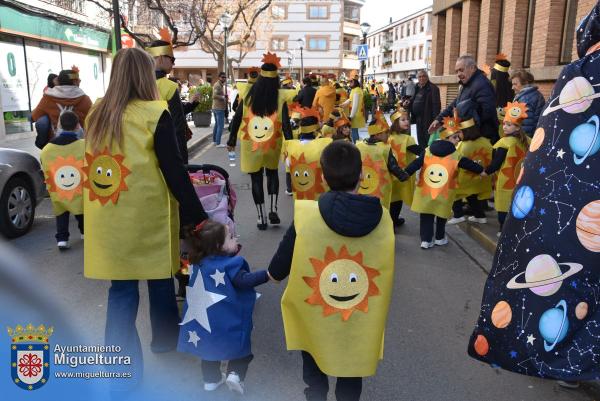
136,182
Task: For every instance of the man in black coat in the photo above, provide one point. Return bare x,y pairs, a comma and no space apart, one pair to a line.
475,86
424,106
307,94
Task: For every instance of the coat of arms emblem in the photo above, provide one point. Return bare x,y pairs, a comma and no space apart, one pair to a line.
30,355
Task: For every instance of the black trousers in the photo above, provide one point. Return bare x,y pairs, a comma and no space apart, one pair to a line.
428,221
502,218
346,388
62,226
476,205
211,370
288,182
395,209
258,192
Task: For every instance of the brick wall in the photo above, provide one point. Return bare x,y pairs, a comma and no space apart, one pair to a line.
452,39
547,31
489,29
469,27
514,31
438,38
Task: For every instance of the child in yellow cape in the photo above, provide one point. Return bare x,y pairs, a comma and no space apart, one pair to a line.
507,159
405,151
339,256
435,191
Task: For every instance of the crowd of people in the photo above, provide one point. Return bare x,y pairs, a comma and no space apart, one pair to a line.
348,192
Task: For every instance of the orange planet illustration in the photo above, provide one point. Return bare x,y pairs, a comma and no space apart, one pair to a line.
588,226
581,310
481,345
520,177
537,140
501,315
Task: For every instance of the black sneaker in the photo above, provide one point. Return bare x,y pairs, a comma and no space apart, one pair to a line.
399,222
274,218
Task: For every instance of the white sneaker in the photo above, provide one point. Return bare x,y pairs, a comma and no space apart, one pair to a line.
427,245
288,193
440,242
62,245
498,234
480,220
81,236
456,220
234,383
221,145
214,386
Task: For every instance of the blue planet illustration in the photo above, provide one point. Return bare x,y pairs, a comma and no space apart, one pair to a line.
523,202
584,140
554,325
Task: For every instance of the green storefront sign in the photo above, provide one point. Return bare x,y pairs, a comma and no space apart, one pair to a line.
16,22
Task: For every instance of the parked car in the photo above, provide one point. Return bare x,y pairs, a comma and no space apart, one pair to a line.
22,188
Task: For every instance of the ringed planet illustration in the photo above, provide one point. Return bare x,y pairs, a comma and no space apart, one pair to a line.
575,97
588,226
554,325
543,275
584,140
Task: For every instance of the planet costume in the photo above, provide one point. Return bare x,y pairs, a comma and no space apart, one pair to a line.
336,301
217,317
540,312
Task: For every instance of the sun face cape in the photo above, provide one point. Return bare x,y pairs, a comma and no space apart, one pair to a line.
540,312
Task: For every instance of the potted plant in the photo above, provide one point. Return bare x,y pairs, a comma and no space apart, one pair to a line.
202,113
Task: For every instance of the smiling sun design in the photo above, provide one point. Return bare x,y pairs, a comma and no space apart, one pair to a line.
513,168
306,178
263,132
64,177
342,283
438,177
482,157
105,176
374,178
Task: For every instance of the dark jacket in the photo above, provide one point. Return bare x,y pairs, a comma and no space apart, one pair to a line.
178,118
479,89
427,105
442,148
347,214
535,104
306,96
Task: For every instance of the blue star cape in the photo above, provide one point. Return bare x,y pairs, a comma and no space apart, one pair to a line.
540,312
230,318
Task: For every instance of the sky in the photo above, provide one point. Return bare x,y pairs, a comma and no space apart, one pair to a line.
378,12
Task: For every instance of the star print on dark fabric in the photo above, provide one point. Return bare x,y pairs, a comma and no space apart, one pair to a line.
542,170
513,354
574,284
542,211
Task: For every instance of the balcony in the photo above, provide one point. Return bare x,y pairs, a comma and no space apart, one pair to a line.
350,54
76,6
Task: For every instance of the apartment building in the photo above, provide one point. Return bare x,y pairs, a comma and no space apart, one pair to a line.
330,30
538,35
38,37
401,48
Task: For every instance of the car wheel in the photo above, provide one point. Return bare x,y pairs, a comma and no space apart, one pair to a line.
17,208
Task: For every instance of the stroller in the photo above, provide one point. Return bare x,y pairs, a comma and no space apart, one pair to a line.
218,199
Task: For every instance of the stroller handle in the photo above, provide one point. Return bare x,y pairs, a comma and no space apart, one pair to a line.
207,168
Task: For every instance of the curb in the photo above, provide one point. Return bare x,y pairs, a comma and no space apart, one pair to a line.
489,244
197,145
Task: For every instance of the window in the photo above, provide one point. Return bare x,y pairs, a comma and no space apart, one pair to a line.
278,43
415,27
408,29
378,60
316,43
401,54
529,34
422,24
379,40
352,14
407,55
414,52
395,56
401,31
279,11
420,52
566,47
369,62
396,33
318,12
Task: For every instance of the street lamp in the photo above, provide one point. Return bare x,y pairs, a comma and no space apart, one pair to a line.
365,27
301,42
225,21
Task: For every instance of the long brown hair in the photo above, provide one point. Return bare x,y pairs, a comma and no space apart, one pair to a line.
132,78
205,242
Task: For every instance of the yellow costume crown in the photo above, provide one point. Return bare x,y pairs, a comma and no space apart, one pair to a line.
399,113
454,124
165,50
380,124
500,67
30,333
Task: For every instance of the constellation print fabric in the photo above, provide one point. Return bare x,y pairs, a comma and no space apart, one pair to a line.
540,312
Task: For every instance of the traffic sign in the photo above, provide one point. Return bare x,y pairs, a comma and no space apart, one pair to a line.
363,52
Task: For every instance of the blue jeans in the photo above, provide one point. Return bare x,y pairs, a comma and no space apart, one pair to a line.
355,137
122,308
43,129
219,125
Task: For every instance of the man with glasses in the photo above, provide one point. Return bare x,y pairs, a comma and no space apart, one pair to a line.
164,61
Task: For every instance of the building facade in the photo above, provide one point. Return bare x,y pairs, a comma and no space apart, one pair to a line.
401,48
330,29
38,37
538,35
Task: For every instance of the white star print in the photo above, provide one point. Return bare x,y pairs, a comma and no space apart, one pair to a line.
219,277
193,338
560,153
530,339
199,300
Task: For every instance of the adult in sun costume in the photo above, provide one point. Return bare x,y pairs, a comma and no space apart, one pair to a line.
540,313
260,122
135,183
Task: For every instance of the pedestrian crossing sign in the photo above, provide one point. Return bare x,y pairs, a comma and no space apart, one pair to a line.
362,51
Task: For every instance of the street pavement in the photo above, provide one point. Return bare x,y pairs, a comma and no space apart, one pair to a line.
434,306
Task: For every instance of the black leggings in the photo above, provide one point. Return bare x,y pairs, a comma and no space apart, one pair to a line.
211,370
502,218
476,205
346,388
426,227
395,209
258,193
